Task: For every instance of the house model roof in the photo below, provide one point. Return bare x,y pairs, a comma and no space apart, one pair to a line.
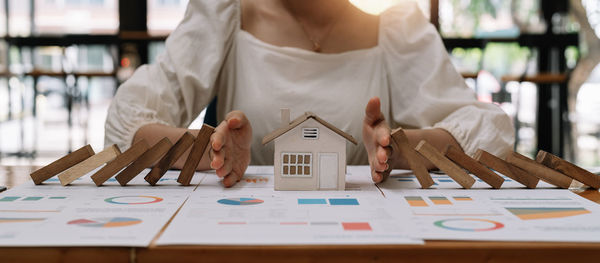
307,115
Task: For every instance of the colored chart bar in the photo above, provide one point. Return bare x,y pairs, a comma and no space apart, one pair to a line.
19,220
440,200
462,198
343,201
32,198
404,180
312,201
9,198
446,180
356,226
415,201
532,213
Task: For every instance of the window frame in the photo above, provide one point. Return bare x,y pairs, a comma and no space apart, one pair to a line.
296,164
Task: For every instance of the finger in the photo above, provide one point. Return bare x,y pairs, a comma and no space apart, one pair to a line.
373,113
376,177
225,168
236,120
382,154
231,179
380,167
382,134
217,139
218,159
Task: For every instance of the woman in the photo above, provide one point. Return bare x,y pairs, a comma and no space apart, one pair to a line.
327,57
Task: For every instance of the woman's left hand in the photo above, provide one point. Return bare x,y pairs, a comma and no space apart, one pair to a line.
376,138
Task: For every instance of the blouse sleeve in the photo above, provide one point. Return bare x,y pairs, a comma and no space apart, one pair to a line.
175,89
426,91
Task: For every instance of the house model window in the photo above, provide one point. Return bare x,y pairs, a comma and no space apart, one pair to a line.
310,133
296,164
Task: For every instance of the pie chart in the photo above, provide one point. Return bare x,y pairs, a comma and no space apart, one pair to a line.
240,201
468,224
105,222
133,200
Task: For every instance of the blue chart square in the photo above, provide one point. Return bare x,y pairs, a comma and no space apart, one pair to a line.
445,180
343,201
308,201
405,180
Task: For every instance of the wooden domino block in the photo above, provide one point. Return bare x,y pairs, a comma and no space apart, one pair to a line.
540,171
89,164
462,159
506,169
185,142
144,161
118,163
62,164
189,168
569,169
414,160
436,157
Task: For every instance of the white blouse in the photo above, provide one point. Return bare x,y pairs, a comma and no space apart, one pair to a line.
209,55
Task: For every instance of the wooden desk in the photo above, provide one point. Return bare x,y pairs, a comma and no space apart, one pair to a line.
432,251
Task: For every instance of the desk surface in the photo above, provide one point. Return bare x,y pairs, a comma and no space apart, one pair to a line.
432,251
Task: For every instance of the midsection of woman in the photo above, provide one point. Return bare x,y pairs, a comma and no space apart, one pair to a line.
321,56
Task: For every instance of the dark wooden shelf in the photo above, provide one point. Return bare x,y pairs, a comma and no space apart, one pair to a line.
542,78
527,40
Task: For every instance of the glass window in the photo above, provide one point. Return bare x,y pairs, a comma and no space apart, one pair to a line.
2,19
296,164
164,15
19,20
477,18
76,16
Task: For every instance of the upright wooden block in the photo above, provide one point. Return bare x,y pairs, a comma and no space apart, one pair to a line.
62,164
415,162
569,169
185,142
118,163
550,176
506,169
189,168
144,161
89,164
462,159
436,157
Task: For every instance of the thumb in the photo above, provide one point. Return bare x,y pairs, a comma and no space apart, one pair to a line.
236,120
373,112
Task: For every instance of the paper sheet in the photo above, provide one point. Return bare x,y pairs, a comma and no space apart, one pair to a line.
501,215
85,215
252,213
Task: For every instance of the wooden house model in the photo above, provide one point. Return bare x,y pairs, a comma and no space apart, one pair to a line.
310,153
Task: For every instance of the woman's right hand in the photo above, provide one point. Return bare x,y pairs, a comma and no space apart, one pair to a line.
230,147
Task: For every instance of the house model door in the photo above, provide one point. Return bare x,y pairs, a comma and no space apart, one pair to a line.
328,170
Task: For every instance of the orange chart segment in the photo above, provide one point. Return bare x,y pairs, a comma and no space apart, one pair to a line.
415,201
19,220
440,200
533,213
462,198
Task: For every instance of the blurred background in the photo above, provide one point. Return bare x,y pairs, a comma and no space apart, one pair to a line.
61,61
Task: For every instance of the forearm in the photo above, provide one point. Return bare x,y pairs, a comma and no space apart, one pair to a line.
439,138
153,133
